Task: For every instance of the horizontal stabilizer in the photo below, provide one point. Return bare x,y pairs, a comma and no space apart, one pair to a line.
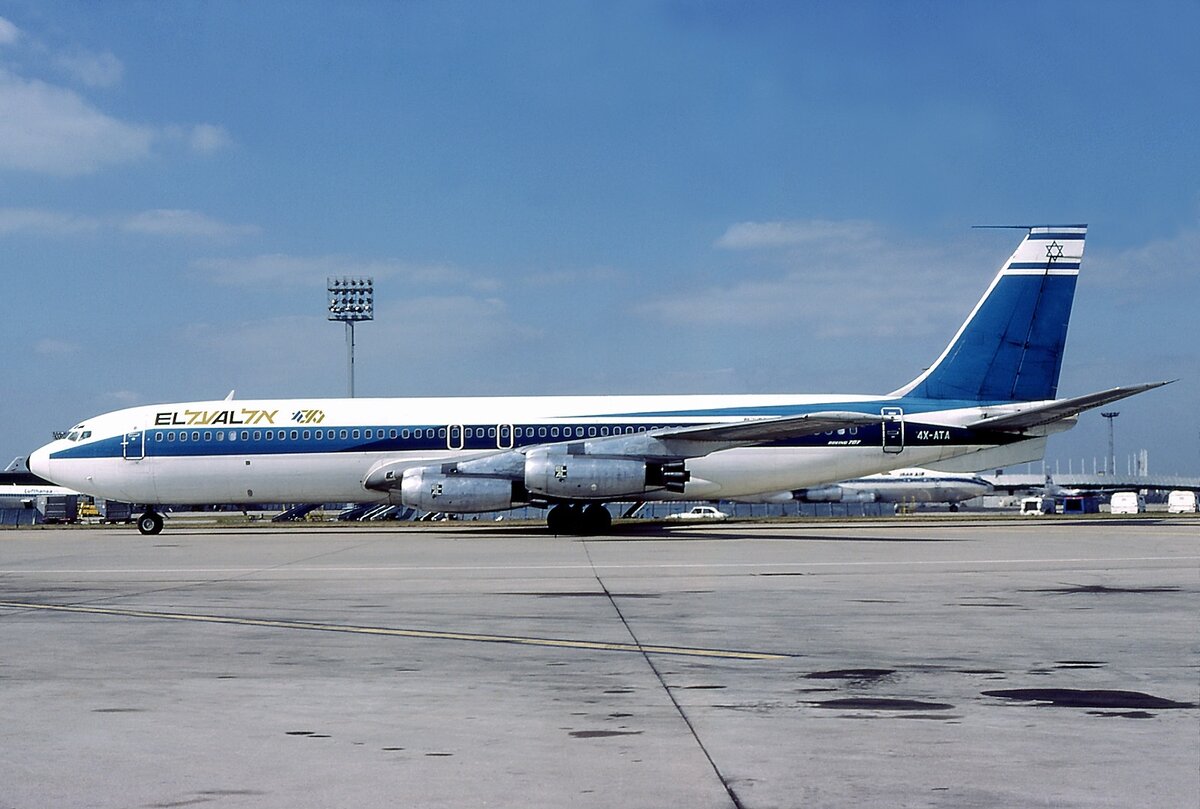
757,430
1037,414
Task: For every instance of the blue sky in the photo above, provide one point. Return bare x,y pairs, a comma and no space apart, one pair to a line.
586,198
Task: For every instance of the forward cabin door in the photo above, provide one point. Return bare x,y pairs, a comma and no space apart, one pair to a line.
133,446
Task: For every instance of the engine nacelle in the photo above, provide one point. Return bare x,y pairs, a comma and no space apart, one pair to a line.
835,494
428,490
578,477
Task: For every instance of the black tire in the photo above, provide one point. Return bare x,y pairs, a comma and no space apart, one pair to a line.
559,519
150,523
596,520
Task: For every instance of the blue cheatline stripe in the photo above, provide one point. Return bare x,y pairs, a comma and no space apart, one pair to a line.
919,433
1043,265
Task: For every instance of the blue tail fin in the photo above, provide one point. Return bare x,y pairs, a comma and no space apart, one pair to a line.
1011,346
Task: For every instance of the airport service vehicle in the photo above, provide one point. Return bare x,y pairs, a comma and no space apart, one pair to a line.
1182,502
988,400
901,486
1037,506
699,513
1126,503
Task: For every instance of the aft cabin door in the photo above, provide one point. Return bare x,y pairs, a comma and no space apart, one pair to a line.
133,446
893,429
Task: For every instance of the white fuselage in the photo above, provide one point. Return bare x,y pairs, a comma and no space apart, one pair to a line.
321,450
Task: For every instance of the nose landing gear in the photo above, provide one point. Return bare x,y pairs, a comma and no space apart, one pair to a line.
150,523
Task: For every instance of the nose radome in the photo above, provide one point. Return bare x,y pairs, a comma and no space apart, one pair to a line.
39,462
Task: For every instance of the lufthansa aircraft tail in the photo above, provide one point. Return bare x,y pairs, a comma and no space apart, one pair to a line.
1010,348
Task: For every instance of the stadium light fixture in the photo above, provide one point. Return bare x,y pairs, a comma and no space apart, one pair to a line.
351,300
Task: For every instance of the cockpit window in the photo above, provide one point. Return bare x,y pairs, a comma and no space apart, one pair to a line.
86,434
73,435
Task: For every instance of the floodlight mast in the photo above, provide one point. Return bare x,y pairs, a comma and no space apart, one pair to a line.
351,300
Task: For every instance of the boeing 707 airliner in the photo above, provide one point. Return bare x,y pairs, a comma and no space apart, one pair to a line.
988,400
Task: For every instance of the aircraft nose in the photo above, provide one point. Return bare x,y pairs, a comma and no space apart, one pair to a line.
39,462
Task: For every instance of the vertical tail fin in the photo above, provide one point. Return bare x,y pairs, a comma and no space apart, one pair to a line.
1010,348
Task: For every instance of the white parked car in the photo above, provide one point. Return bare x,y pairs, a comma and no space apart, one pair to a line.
699,513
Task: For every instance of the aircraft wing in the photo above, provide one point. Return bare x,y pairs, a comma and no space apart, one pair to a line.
1038,413
754,431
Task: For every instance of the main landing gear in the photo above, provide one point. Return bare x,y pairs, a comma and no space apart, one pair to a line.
575,518
150,523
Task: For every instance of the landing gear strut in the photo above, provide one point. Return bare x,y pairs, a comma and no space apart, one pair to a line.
150,523
578,519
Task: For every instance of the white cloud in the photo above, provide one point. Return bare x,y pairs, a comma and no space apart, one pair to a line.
9,33
191,224
38,222
838,280
1163,266
53,130
49,128
209,138
53,347
160,223
90,68
279,268
768,235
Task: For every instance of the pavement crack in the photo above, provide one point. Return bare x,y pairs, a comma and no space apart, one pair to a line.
733,797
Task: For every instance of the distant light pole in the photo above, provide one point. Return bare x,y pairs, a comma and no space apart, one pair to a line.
351,300
1112,455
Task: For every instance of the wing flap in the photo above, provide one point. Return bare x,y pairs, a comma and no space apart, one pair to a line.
755,431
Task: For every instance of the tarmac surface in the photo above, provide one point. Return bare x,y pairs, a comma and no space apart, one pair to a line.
908,662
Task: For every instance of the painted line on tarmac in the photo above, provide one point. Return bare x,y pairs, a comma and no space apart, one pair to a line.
285,568
402,633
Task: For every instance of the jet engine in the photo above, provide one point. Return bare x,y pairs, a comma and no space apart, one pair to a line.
428,490
580,477
834,494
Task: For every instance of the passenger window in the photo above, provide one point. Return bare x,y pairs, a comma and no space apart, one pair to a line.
354,434
591,432
245,435
320,434
258,435
367,434
208,435
541,432
404,433
183,436
171,436
158,436
441,432
307,435
220,435
391,434
342,433
196,435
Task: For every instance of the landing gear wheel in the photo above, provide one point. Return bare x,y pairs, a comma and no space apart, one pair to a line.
150,523
560,519
596,520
